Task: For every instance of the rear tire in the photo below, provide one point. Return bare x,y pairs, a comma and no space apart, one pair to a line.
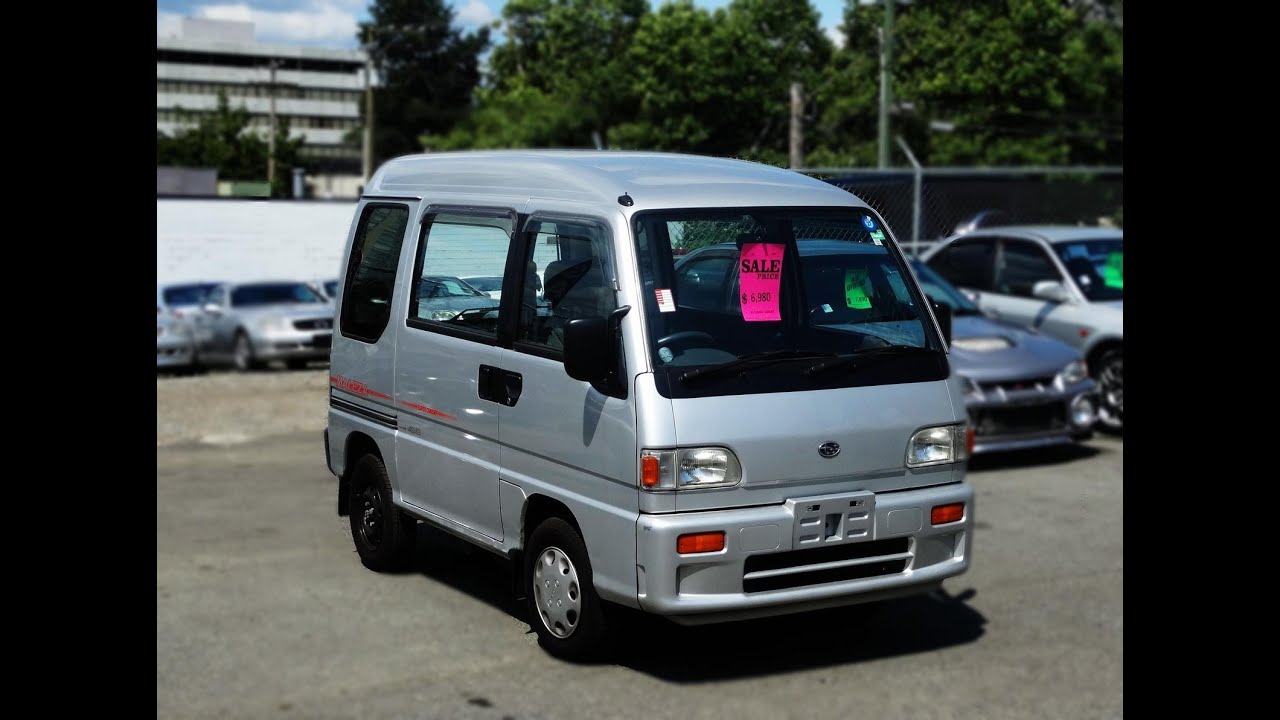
563,607
383,535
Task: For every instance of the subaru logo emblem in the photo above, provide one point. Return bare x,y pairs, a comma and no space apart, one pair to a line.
829,449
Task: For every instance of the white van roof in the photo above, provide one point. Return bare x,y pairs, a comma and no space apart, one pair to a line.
651,179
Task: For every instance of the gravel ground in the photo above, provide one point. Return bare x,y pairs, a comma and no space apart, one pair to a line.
226,408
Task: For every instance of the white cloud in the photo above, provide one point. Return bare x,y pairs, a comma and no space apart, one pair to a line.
835,35
473,12
168,25
326,22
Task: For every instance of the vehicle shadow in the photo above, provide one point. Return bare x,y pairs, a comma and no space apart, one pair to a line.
689,654
1032,457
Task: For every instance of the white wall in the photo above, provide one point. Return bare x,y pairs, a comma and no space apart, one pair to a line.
250,240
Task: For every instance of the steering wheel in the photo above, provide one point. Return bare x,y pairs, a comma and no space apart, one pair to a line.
685,336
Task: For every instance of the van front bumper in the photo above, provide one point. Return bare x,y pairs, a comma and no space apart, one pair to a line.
804,554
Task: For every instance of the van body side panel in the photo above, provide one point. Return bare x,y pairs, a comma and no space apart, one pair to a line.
361,373
564,440
447,448
776,437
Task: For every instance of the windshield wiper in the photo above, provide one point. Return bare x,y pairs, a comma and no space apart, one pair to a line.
855,358
750,359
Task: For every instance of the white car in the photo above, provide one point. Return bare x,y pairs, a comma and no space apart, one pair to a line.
1062,280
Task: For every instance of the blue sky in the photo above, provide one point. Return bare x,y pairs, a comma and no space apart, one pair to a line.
332,23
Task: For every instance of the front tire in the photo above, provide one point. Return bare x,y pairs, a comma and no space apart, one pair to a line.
564,609
383,535
1111,391
243,358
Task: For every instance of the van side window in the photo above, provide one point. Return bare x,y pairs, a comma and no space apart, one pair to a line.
371,272
572,264
457,246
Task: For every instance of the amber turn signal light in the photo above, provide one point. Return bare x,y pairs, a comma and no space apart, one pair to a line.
943,514
700,542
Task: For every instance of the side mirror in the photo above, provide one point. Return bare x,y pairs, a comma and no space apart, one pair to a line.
942,311
1050,290
593,353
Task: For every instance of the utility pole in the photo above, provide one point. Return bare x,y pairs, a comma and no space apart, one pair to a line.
797,125
271,132
368,107
886,82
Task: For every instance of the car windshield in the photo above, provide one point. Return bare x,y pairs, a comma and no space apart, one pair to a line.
1095,266
179,295
768,298
273,294
942,291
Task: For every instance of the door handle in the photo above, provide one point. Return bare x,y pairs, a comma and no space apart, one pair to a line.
500,386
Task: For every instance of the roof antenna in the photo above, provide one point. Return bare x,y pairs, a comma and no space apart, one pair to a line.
625,200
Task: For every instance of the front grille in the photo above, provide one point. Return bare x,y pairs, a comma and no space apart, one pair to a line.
1020,419
798,568
1037,383
321,341
319,324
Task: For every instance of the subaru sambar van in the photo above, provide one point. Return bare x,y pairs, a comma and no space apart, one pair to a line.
740,437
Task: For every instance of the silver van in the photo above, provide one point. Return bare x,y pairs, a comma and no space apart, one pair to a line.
739,437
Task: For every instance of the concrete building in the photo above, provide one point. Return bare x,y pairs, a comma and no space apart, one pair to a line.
319,90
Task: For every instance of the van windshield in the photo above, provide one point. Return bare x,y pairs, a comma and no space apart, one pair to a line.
769,300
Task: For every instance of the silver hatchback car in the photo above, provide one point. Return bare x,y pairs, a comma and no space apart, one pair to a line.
1065,281
254,323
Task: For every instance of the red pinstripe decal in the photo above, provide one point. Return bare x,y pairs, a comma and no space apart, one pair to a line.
356,387
427,410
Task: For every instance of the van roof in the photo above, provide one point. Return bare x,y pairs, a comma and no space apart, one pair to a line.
651,179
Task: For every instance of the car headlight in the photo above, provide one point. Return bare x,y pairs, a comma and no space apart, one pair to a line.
937,445
689,468
443,315
1074,372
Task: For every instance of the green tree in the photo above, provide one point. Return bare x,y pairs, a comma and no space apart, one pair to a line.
719,82
223,140
1023,81
560,80
428,70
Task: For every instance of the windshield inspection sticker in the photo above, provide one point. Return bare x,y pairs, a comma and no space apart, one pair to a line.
665,302
1113,271
868,223
855,293
877,237
666,354
760,275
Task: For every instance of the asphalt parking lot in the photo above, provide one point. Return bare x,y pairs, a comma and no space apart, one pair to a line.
264,610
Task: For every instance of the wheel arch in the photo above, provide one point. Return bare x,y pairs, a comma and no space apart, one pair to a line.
357,444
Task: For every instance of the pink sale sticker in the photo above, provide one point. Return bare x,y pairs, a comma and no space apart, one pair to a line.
760,276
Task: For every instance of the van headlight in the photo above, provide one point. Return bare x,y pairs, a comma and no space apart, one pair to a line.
689,468
1074,372
937,445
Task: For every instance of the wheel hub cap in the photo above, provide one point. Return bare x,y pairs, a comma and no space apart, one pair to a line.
556,592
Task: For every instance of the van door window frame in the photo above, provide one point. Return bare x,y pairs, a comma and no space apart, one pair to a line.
504,329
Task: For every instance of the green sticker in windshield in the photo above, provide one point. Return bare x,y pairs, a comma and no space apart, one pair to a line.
1113,271
855,294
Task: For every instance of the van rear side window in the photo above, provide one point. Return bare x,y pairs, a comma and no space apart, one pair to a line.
371,271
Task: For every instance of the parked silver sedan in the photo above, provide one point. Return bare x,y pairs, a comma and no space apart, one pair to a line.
255,323
1064,281
175,345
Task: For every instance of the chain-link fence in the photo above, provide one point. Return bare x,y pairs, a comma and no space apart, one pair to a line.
927,205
